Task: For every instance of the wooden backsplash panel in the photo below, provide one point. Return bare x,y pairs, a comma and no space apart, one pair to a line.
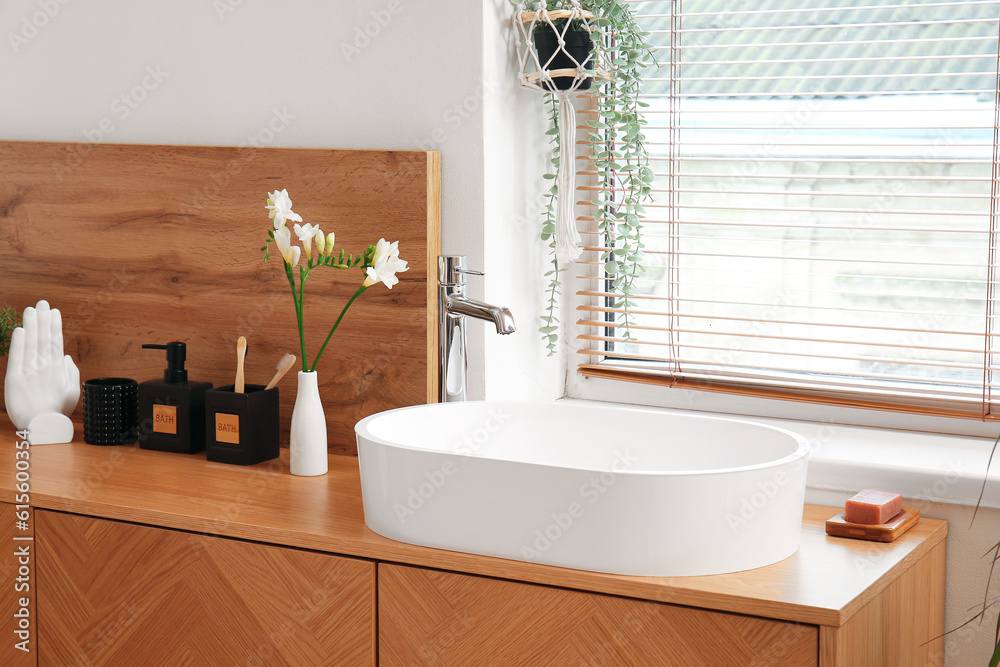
147,244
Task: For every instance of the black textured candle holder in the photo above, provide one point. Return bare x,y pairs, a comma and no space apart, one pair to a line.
241,428
110,411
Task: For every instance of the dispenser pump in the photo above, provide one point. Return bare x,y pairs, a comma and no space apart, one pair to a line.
176,354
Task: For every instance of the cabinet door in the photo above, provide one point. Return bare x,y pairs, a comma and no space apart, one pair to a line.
427,617
17,567
113,593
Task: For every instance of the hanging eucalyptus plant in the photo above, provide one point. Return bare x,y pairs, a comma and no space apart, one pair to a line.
617,146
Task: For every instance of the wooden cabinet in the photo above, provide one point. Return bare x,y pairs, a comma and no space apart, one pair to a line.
428,617
115,593
901,625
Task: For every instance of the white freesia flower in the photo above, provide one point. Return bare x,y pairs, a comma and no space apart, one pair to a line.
385,264
320,241
279,206
380,262
306,234
283,239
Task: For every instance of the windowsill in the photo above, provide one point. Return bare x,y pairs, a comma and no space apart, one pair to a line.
920,466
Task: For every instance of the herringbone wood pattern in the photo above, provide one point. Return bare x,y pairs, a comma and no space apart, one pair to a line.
427,617
113,593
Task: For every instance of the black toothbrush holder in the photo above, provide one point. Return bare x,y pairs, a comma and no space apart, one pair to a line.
241,429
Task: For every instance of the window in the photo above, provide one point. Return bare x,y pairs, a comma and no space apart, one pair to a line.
824,221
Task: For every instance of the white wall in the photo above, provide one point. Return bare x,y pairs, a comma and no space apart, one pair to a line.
516,153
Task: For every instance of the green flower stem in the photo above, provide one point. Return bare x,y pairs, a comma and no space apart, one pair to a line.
297,300
303,274
361,290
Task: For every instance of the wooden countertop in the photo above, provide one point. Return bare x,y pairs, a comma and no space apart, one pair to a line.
825,583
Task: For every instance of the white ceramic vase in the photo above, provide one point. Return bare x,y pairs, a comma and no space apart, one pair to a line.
308,437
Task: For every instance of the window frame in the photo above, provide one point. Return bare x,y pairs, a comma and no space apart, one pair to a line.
648,391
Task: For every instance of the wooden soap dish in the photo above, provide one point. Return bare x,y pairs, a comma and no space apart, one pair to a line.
886,532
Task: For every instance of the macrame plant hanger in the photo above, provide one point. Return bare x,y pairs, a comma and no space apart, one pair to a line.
537,75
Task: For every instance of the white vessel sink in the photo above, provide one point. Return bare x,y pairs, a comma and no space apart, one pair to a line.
565,484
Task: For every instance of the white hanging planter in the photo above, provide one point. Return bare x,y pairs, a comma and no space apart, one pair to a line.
308,437
555,57
561,57
561,66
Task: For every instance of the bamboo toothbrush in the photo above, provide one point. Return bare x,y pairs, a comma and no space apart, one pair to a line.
284,365
241,352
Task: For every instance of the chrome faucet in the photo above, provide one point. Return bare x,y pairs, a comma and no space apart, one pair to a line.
453,308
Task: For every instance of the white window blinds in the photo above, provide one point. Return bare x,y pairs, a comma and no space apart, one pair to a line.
824,225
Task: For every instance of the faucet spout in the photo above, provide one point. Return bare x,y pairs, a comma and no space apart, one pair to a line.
454,307
458,304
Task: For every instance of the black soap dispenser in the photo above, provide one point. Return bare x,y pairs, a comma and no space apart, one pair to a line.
172,412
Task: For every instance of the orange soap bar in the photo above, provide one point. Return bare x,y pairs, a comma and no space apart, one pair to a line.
873,507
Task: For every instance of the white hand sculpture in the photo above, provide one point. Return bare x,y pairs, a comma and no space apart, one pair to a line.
42,385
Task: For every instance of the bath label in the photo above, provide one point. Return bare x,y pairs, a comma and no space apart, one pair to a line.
227,428
165,419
